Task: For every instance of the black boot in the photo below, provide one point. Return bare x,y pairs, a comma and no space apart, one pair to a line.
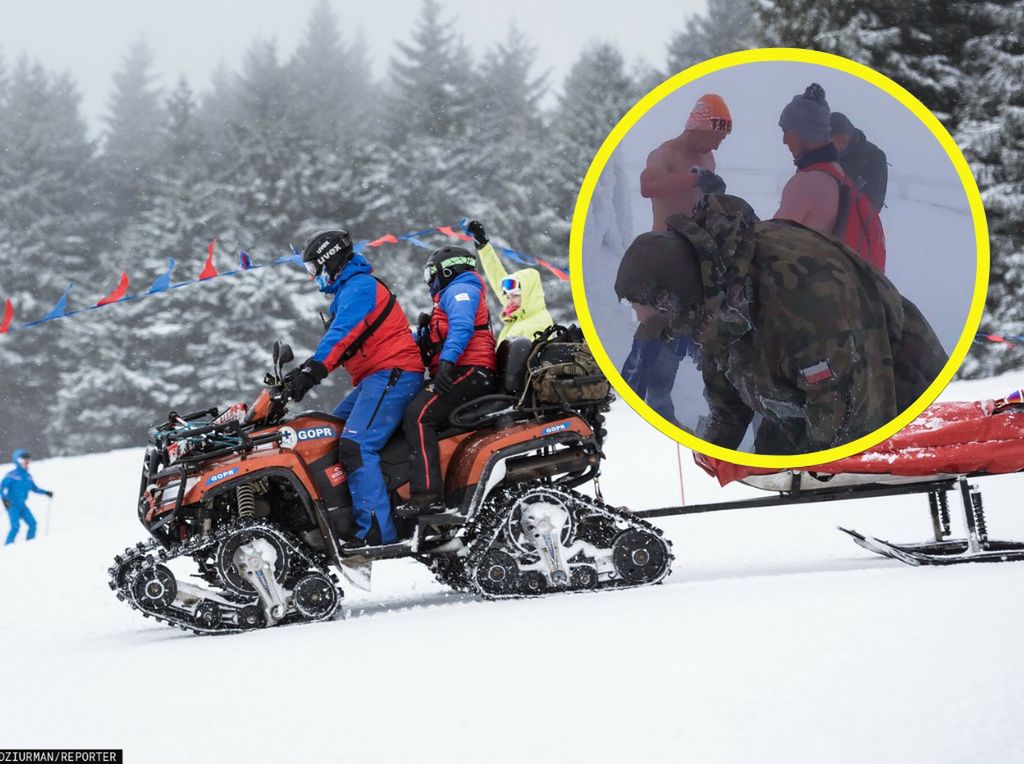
420,504
351,546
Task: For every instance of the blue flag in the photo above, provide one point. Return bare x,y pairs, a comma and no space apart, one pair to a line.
61,308
163,282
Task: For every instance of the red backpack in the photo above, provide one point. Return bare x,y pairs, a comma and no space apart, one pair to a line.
857,222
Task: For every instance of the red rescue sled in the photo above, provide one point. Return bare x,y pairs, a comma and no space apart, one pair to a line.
948,445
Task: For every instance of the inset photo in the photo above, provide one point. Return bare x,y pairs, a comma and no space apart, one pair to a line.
779,254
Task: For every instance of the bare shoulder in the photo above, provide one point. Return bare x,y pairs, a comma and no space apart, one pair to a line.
660,157
810,184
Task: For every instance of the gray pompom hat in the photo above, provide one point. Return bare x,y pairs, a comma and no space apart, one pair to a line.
807,115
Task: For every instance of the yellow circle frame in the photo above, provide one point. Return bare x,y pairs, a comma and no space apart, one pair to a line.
757,56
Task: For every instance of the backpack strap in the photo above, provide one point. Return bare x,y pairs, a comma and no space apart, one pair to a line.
373,326
845,200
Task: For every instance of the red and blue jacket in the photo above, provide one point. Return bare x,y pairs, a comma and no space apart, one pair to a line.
359,300
460,324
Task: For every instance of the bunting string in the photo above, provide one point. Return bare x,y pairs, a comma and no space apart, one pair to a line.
1010,340
164,282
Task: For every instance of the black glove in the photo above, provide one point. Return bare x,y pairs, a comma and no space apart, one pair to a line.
49,493
304,378
707,181
476,229
7,504
423,321
444,379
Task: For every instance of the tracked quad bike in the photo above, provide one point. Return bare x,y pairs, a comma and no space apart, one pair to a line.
255,500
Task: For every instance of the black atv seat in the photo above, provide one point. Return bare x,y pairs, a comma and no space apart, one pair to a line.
513,354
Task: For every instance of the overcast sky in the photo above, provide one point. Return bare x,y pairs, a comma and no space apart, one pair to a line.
89,38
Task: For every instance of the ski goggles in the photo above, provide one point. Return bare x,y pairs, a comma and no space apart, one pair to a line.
312,268
511,286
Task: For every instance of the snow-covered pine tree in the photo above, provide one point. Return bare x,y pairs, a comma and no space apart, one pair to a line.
916,44
132,137
725,27
596,94
508,169
992,137
49,231
429,111
335,116
140,363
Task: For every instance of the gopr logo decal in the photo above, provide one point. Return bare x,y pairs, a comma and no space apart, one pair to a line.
315,433
556,428
222,476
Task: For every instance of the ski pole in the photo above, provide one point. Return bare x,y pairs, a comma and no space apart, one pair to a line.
49,510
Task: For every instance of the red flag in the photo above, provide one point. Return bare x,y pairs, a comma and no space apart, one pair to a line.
8,315
447,231
385,239
118,293
557,271
209,270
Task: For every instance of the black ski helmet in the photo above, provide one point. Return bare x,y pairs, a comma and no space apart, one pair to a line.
445,264
327,252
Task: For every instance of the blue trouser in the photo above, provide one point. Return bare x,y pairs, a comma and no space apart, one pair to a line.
17,513
372,413
651,368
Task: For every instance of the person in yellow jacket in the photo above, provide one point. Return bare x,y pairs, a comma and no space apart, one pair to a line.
524,312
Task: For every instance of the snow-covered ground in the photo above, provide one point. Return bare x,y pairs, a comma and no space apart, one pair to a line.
775,639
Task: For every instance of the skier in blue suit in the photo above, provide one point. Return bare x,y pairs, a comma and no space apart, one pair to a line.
14,490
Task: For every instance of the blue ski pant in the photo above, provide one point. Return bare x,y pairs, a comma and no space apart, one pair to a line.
651,368
372,413
17,513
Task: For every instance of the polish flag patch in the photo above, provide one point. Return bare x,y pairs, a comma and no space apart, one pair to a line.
819,372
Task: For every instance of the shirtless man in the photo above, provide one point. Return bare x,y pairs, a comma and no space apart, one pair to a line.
669,180
678,173
811,196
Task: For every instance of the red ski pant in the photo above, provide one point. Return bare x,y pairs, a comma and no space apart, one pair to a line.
426,416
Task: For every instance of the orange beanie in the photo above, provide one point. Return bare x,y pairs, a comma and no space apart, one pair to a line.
710,113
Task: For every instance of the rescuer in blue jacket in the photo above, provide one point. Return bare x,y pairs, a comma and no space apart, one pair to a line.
14,490
458,349
369,336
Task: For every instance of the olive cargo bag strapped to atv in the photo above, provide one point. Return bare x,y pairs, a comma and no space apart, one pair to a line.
562,371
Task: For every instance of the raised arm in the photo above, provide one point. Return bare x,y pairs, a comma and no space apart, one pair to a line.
493,270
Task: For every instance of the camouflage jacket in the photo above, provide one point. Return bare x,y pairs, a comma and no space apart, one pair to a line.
798,328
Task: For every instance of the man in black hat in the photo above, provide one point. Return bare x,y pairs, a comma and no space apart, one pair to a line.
862,160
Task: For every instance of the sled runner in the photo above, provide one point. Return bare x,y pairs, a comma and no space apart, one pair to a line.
255,499
941,451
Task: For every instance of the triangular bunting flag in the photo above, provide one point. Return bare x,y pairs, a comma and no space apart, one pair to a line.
387,238
163,281
244,260
119,292
562,275
448,231
61,308
209,270
5,323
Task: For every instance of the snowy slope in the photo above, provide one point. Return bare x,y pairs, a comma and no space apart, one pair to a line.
775,639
